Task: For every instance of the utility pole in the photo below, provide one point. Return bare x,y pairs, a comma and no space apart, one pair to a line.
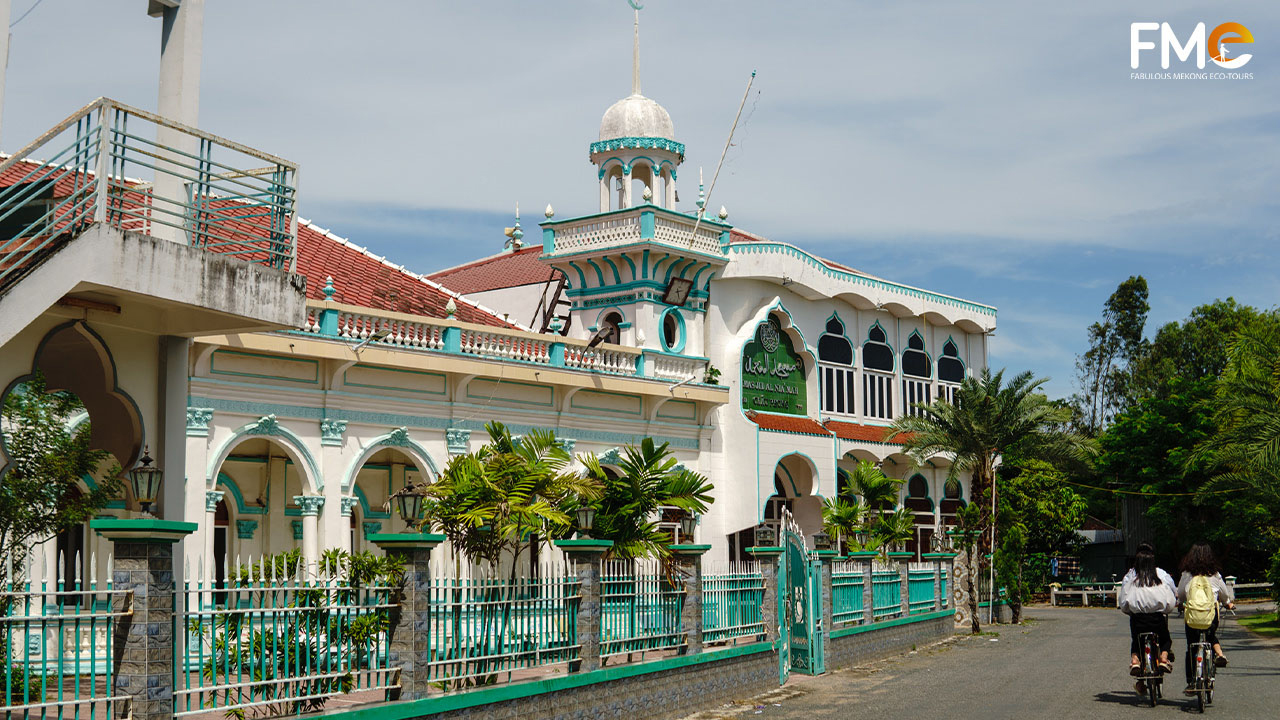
4,55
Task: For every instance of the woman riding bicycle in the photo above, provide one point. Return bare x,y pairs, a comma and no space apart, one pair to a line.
1147,596
1200,589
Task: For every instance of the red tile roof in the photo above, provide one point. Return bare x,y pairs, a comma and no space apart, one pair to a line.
787,423
508,269
364,279
865,433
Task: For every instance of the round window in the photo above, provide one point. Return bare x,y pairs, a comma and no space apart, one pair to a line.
671,331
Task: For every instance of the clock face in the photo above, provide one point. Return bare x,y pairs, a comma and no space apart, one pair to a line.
677,291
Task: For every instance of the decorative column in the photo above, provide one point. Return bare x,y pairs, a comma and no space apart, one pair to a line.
310,506
410,622
144,633
688,559
867,558
347,505
586,555
827,599
768,557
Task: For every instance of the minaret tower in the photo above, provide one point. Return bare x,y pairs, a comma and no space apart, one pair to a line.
637,147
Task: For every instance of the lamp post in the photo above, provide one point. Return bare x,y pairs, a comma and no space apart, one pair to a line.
146,481
688,523
586,520
408,502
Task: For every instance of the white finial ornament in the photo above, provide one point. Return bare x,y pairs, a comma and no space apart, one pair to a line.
451,308
647,194
724,213
549,212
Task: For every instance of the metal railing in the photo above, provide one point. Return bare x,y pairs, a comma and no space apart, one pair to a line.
920,587
134,170
484,626
277,640
732,601
848,581
640,609
56,644
886,594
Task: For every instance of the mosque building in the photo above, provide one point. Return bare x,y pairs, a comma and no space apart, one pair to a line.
763,366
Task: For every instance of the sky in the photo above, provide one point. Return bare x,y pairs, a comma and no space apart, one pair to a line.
998,151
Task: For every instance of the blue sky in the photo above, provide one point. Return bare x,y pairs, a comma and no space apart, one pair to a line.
998,151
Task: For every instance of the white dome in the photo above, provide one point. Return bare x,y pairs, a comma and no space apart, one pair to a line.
636,116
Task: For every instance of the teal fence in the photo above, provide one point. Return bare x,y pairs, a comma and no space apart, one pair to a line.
920,588
732,601
886,594
640,609
848,581
270,639
56,641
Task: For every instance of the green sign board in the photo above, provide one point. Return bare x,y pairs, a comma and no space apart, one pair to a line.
772,372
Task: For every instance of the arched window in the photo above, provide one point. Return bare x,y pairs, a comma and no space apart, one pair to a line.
612,320
917,369
877,381
950,371
835,364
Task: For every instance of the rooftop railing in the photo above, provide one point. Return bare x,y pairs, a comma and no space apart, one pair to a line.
415,333
134,170
646,223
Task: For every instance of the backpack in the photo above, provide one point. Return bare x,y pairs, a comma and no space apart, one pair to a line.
1201,606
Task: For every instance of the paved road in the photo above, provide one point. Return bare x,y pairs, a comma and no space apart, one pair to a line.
1066,663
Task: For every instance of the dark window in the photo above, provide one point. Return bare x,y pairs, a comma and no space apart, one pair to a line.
951,490
950,368
833,346
917,487
614,321
670,330
915,361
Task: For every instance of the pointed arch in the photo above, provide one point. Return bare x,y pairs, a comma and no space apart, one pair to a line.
397,439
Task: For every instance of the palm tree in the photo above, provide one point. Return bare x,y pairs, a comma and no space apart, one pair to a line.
876,490
843,518
649,480
896,528
987,421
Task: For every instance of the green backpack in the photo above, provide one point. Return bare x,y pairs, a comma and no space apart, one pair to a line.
1201,606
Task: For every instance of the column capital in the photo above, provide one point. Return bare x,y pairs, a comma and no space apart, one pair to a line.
212,498
198,421
458,440
347,505
309,504
331,431
246,528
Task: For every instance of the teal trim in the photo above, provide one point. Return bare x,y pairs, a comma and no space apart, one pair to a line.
632,263
365,511
398,440
573,402
657,266
279,434
329,322
644,265
605,165
639,245
647,226
599,272
881,625
314,364
225,481
146,530
707,288
681,334
751,248
671,354
698,276
551,393
582,278
584,543
347,383
693,410
548,244
685,270
617,277
638,143
640,366
557,354
452,340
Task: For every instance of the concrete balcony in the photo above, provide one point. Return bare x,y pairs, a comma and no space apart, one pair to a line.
638,228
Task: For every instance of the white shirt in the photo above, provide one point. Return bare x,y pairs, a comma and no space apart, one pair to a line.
1134,599
1220,587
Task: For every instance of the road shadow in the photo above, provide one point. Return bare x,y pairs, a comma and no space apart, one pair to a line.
1121,698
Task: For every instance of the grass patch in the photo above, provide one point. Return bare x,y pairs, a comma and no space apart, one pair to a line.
1264,624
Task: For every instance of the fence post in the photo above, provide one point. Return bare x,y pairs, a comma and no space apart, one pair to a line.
828,597
587,555
938,573
144,637
689,559
768,557
409,632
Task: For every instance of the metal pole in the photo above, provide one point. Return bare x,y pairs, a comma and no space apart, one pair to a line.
4,53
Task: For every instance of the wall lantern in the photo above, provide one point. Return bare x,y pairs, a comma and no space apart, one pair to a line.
688,522
408,502
146,482
586,520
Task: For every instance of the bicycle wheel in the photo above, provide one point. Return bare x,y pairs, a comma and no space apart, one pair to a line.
1200,693
1153,691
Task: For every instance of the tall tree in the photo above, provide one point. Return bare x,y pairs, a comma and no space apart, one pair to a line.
39,493
1104,371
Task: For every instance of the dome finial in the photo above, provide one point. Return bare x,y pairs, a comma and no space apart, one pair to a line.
635,52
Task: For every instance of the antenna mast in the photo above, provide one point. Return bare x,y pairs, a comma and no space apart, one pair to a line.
728,141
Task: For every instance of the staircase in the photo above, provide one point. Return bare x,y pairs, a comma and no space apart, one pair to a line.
548,311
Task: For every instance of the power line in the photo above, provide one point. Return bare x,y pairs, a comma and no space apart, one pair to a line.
1156,494
24,15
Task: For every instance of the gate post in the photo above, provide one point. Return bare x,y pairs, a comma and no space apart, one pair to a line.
144,638
410,622
587,556
867,558
768,557
937,558
689,559
827,600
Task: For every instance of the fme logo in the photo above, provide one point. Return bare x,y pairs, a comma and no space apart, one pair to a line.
1217,44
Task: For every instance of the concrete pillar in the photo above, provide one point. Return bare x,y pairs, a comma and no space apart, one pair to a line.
408,633
626,189
768,558
211,500
939,568
587,555
604,193
144,570
827,597
670,189
171,442
335,528
310,506
688,559
181,48
868,595
904,577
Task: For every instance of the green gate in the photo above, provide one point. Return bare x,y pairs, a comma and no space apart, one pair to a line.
799,613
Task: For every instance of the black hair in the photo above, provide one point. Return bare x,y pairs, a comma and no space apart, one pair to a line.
1144,564
1200,560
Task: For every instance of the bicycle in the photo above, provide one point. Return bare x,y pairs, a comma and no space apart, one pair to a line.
1151,675
1204,669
